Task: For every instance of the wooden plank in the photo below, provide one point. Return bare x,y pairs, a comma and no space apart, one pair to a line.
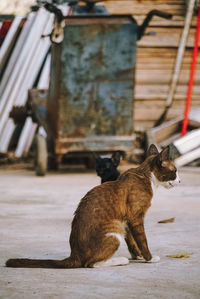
154,112
160,91
138,2
154,76
136,7
151,110
139,10
164,132
15,7
176,21
154,58
143,125
143,2
157,70
166,37
157,53
157,65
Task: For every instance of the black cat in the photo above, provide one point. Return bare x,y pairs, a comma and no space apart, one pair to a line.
106,168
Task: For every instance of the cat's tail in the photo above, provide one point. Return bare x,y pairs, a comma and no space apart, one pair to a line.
52,264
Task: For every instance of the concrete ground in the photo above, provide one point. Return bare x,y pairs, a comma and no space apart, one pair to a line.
35,217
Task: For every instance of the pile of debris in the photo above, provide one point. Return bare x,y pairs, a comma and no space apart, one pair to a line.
25,64
185,150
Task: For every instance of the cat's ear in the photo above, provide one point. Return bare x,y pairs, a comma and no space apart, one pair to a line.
116,158
152,150
165,154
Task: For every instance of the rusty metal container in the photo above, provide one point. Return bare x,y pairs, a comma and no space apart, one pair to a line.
91,93
90,99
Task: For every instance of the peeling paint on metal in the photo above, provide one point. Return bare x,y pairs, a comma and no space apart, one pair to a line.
97,70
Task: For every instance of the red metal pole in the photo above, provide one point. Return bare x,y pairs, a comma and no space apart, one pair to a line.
191,80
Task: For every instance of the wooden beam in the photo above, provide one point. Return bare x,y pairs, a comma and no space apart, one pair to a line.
143,7
166,37
159,91
163,76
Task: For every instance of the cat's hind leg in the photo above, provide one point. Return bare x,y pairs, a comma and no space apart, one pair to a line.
102,256
113,261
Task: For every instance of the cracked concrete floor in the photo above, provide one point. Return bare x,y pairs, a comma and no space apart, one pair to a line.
35,217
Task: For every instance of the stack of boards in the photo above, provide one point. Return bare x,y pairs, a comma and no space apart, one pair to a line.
23,59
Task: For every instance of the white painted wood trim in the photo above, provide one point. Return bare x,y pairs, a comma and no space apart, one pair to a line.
187,158
189,142
9,39
23,137
15,54
6,135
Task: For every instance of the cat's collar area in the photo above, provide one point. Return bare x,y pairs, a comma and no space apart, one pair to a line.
154,180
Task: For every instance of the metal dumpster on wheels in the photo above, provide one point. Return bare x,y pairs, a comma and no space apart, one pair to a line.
91,94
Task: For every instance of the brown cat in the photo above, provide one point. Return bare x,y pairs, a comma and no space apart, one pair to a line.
110,212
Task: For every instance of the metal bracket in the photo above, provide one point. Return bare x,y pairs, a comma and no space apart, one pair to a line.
148,18
57,34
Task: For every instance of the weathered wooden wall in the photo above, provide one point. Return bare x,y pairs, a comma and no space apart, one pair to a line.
156,58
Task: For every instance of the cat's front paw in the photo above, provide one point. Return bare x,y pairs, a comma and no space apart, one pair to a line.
139,258
154,259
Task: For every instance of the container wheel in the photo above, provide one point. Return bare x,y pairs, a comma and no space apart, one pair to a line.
41,155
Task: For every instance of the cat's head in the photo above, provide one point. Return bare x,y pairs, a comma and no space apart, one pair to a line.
106,168
164,171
